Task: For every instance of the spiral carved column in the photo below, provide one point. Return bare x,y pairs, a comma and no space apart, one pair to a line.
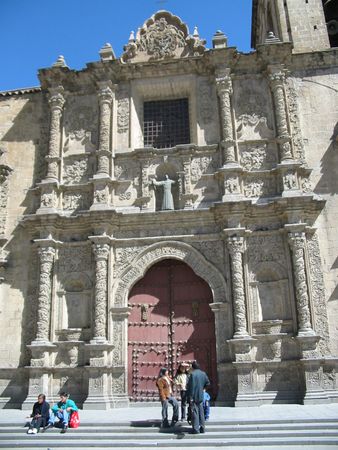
236,248
101,253
56,102
224,91
44,299
297,242
277,80
105,96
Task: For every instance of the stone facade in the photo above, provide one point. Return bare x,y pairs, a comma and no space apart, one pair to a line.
255,213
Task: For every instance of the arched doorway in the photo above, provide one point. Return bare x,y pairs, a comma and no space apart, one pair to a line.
170,322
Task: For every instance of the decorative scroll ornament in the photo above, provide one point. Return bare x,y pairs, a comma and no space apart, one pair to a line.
163,36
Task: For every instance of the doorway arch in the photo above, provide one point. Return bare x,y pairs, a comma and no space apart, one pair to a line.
170,322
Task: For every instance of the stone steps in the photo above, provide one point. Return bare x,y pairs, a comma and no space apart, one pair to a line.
147,434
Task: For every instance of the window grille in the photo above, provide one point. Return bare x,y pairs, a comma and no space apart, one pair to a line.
166,123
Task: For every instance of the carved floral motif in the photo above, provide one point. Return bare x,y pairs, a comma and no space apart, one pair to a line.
206,107
101,253
255,157
292,100
76,171
75,200
123,112
253,127
201,166
74,259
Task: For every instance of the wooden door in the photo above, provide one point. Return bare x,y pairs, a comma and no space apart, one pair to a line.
170,322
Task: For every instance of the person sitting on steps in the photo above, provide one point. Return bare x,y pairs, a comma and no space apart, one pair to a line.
62,411
40,415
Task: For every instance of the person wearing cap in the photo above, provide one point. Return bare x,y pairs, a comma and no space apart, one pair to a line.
163,384
197,382
62,411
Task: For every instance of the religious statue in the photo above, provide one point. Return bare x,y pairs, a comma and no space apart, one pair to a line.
168,201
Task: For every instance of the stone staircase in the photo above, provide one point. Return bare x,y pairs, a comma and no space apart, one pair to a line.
248,434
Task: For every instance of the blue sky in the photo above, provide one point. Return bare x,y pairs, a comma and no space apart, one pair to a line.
34,32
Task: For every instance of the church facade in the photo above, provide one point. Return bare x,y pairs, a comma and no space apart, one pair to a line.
171,204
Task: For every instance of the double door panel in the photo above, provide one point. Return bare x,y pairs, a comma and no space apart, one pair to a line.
170,322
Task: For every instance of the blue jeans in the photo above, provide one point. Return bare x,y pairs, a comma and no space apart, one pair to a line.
63,417
174,404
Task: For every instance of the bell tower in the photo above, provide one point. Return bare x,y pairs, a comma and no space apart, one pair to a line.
301,22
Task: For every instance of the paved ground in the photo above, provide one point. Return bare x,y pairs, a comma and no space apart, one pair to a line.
139,413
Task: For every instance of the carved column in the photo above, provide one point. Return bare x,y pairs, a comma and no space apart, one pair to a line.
105,96
41,348
277,79
297,242
56,102
187,197
224,91
101,253
236,248
46,255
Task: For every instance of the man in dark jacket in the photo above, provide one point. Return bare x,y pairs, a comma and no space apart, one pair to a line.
198,380
40,415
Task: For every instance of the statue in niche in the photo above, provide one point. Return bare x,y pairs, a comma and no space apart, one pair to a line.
167,201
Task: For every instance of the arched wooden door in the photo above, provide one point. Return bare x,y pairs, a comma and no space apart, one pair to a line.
170,322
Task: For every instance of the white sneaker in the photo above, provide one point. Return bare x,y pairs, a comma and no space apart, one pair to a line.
34,431
29,431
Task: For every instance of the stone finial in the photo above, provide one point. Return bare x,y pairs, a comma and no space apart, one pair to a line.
131,37
107,53
60,62
271,38
196,33
219,40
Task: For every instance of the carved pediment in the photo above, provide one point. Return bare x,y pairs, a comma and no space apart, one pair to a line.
163,36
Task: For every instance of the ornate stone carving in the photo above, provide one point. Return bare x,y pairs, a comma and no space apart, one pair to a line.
46,255
101,193
118,384
201,166
123,257
289,180
318,293
213,252
123,112
259,186
224,91
117,339
297,140
253,127
74,259
56,102
231,185
235,246
75,171
277,79
79,141
257,157
76,200
101,253
176,250
297,243
49,197
5,172
163,36
105,96
266,248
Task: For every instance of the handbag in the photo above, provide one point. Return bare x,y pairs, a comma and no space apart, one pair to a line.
74,420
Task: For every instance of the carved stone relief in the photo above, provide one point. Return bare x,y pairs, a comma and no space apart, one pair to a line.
75,200
162,36
213,252
75,259
118,383
203,165
318,293
257,156
126,170
259,186
294,117
77,170
176,250
253,127
265,248
4,187
123,106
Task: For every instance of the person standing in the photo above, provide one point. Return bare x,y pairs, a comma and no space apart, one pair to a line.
62,411
181,381
197,382
40,415
164,383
